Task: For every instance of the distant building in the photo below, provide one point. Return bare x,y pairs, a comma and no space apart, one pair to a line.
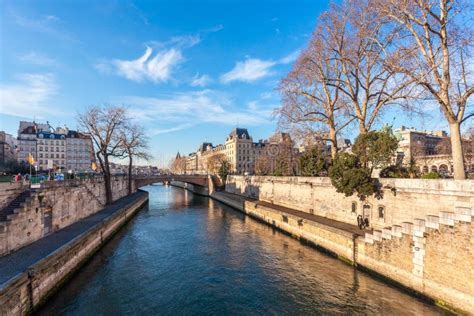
239,150
431,150
59,148
7,147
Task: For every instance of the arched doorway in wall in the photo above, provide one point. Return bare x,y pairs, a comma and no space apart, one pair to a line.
443,169
434,169
425,169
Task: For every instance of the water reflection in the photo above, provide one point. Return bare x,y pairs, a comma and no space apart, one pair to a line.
186,254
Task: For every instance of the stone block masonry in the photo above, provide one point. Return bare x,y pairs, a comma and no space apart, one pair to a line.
424,243
31,274
54,206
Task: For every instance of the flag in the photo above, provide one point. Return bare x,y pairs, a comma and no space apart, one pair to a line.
94,166
31,160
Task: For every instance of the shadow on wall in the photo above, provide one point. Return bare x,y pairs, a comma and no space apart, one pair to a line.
252,191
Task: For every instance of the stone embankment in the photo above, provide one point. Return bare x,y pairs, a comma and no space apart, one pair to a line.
31,274
421,239
29,214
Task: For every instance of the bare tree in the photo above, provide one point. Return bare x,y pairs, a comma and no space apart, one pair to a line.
178,165
214,162
361,45
311,94
104,125
134,145
434,47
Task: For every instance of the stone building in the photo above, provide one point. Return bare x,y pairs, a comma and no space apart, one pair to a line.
239,150
79,151
51,148
7,147
431,150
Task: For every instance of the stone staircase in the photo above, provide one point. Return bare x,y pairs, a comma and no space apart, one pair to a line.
417,230
15,205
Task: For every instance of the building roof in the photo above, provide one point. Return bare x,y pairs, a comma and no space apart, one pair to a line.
204,147
240,133
49,135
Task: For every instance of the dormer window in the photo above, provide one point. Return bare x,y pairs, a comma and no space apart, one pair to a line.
51,136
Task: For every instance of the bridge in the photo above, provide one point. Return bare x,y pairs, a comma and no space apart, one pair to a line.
200,180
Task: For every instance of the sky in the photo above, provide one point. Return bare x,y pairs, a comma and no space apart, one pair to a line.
188,71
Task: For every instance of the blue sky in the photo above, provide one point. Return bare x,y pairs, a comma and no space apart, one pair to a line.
190,71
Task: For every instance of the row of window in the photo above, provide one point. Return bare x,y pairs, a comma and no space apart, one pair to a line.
52,155
380,209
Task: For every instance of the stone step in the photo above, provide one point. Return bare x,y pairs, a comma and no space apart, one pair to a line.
397,231
432,221
387,233
446,218
377,235
369,238
407,228
463,214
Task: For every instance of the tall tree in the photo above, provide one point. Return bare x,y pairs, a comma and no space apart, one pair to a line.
103,124
434,47
134,145
311,94
361,45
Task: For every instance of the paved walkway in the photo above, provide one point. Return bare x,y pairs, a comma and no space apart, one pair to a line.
18,262
353,229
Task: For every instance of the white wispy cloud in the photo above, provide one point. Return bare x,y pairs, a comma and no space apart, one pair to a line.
37,59
290,58
249,70
157,68
29,96
201,81
186,109
48,24
253,69
176,128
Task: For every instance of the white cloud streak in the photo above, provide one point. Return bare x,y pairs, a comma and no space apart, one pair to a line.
29,97
201,81
249,70
186,109
37,59
156,69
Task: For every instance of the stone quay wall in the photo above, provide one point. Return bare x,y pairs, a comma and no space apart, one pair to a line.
404,200
191,187
27,291
10,190
53,206
426,244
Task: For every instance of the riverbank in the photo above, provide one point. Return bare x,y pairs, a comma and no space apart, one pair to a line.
31,274
385,257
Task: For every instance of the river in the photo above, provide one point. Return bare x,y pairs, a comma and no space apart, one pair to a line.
186,254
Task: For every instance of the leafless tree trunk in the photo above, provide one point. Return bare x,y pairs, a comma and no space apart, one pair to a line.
311,92
134,144
434,48
104,125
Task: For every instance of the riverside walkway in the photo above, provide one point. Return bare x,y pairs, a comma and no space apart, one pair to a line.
353,229
19,261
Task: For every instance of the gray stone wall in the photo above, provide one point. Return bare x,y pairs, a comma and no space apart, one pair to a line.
54,206
404,200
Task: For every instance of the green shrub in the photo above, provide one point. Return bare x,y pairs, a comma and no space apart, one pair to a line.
349,176
394,172
312,162
375,148
431,175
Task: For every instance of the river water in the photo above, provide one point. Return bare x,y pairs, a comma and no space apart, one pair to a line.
185,254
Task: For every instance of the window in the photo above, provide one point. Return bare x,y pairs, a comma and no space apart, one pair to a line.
354,207
381,209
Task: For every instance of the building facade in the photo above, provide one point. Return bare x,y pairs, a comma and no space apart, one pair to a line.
7,147
430,150
240,152
54,149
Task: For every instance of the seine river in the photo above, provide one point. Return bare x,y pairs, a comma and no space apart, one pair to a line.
185,255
